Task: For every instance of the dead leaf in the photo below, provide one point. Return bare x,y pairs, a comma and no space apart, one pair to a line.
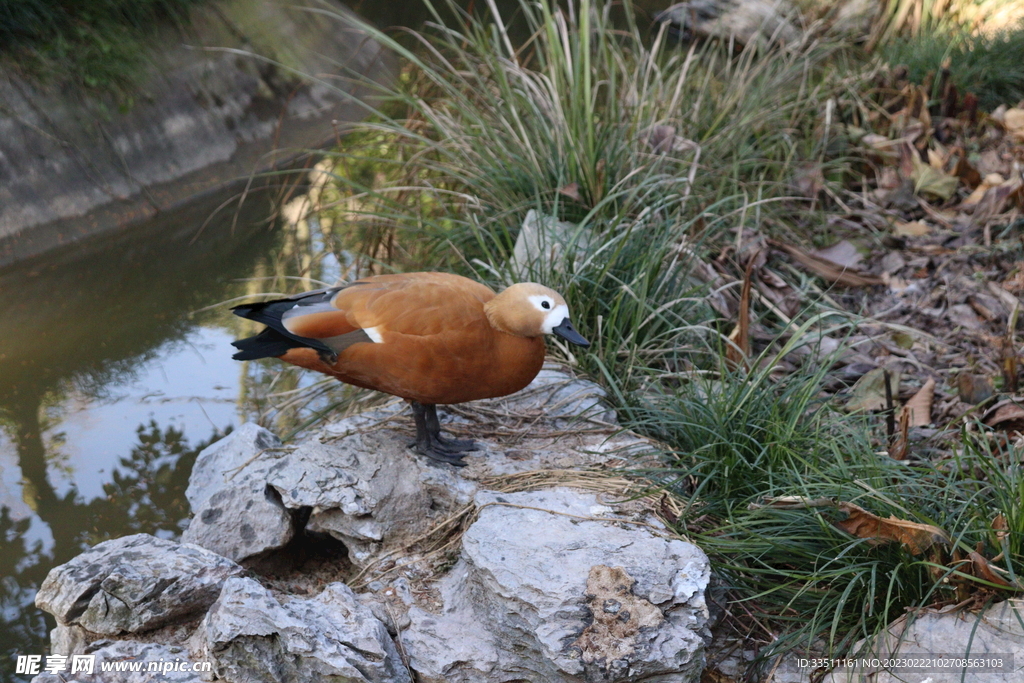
981,568
932,181
844,254
572,191
919,407
791,503
1006,416
827,269
966,172
911,229
868,394
987,183
903,340
996,198
974,389
809,179
877,142
915,537
736,354
899,444
1014,122
1000,526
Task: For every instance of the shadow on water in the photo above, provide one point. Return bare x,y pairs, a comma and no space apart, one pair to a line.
74,325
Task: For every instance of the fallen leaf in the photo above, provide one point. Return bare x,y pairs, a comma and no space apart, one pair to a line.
974,389
889,178
809,179
827,269
791,503
996,198
899,443
876,141
981,568
1007,416
987,183
843,254
868,394
572,191
915,537
919,407
903,340
911,229
1014,122
966,172
1000,526
738,351
931,181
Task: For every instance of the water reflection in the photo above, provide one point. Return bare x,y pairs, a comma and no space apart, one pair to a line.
109,386
145,495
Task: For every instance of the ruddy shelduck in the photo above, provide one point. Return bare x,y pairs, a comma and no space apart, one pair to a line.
429,338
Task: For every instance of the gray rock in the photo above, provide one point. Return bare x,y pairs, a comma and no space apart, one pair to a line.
68,640
559,399
746,21
136,583
235,513
134,662
544,242
251,635
556,597
367,489
997,633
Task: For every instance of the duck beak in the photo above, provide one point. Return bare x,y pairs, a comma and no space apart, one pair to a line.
567,332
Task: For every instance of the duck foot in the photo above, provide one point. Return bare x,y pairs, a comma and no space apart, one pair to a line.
450,444
429,441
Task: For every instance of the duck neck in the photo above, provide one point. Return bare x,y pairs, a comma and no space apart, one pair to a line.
498,316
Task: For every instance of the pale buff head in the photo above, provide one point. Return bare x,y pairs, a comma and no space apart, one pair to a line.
531,310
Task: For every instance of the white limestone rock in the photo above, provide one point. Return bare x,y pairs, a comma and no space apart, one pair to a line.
132,584
560,598
251,635
132,662
235,513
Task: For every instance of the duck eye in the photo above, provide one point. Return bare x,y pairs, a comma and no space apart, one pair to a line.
545,305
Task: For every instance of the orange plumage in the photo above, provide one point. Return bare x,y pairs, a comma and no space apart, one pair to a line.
427,337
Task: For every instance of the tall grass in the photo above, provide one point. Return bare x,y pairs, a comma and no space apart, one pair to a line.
991,67
93,43
918,18
480,131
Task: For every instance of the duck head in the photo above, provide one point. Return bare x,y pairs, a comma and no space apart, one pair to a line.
531,310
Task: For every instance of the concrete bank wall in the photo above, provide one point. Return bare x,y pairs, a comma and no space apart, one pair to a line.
72,165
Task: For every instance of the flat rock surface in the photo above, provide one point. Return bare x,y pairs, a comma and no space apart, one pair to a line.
993,639
133,584
558,594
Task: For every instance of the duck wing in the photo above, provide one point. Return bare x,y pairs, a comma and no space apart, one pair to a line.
368,310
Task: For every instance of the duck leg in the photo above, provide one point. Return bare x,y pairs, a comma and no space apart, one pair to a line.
452,444
427,442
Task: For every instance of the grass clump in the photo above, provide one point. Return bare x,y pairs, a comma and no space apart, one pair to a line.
94,43
991,67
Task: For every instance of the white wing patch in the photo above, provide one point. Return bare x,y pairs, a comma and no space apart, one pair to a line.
374,335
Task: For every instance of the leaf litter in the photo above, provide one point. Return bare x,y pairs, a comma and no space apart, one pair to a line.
926,250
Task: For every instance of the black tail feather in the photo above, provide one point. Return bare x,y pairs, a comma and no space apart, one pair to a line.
267,344
275,340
